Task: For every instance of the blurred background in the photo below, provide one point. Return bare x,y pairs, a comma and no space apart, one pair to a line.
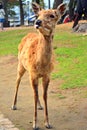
19,12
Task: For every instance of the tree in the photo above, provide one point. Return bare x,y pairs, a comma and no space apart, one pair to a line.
40,2
21,12
16,2
56,3
49,3
5,2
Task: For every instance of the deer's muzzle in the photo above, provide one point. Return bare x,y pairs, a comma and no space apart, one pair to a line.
38,23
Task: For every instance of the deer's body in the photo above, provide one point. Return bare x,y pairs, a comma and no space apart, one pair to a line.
38,63
35,56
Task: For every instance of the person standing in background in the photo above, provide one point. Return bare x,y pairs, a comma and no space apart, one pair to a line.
2,16
81,9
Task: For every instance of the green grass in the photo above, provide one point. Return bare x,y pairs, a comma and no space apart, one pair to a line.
9,41
60,96
70,50
71,53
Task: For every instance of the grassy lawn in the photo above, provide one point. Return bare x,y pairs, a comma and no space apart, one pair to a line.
70,50
9,40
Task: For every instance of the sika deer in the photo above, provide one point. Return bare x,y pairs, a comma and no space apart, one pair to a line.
35,56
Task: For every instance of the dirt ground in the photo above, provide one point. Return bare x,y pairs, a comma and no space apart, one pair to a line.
67,108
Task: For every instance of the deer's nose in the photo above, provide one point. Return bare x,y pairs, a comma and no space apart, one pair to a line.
38,22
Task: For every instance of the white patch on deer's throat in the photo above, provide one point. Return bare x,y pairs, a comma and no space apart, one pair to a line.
46,29
49,25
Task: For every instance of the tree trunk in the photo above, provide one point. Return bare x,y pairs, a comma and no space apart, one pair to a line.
21,12
38,1
56,3
5,2
49,4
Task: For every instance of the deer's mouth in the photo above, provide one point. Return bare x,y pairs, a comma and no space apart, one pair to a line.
38,24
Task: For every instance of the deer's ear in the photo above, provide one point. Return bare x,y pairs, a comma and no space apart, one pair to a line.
62,8
36,8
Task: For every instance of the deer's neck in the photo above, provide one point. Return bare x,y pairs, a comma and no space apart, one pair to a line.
45,48
46,43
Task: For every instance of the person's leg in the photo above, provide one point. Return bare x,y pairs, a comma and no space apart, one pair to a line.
85,14
76,20
2,25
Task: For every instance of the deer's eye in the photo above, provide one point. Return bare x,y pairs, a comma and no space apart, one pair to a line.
52,16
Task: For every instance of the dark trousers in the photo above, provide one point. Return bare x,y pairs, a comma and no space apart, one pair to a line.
76,20
78,17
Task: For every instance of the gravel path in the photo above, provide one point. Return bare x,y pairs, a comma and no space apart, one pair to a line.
6,124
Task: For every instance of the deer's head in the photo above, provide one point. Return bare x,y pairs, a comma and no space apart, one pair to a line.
47,19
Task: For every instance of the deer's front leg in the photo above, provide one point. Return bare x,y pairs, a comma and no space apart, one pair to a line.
45,88
35,88
20,73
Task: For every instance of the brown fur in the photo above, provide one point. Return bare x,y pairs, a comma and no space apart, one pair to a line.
36,62
35,56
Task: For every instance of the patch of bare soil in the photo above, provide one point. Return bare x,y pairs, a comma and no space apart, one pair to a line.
67,108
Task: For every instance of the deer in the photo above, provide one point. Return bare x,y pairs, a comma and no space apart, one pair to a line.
35,56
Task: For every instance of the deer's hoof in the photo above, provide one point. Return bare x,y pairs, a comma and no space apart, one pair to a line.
36,128
40,108
14,107
48,126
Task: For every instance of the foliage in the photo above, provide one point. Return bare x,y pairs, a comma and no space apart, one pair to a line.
10,7
41,2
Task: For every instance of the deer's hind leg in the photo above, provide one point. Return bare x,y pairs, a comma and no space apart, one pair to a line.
39,107
20,73
45,81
